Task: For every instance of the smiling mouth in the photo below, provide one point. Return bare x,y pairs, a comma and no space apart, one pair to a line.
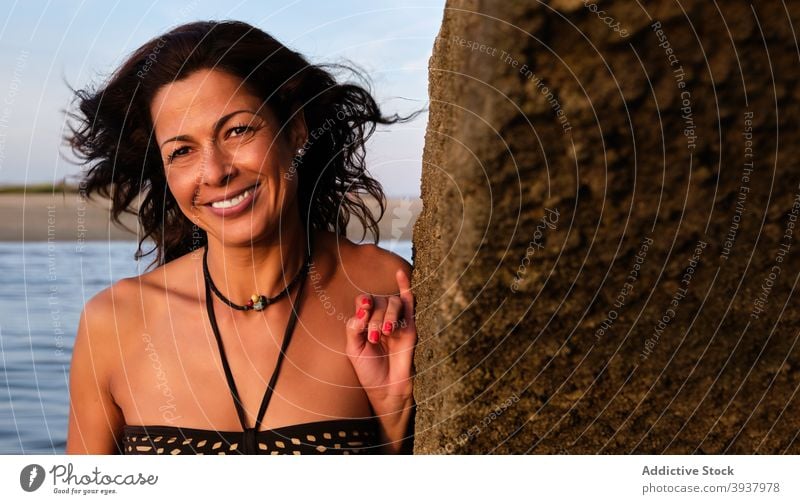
235,200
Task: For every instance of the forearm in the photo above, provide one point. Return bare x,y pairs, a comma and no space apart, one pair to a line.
395,420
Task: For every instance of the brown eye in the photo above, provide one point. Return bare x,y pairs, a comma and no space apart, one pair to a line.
178,152
239,130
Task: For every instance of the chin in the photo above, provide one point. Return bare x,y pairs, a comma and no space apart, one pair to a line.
243,234
236,238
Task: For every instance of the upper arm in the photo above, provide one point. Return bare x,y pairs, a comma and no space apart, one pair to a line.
95,420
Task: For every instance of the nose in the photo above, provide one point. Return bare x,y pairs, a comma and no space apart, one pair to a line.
217,167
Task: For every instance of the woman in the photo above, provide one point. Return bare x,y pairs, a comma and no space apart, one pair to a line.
248,163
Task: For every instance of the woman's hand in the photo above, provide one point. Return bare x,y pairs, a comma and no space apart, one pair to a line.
380,344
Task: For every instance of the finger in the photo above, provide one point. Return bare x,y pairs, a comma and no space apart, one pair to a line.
363,303
363,300
375,322
357,325
404,283
393,313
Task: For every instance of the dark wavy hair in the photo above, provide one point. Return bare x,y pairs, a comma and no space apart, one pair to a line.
114,131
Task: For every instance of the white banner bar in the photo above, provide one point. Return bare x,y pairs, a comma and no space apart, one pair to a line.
401,479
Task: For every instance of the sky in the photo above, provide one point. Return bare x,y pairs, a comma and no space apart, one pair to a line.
46,44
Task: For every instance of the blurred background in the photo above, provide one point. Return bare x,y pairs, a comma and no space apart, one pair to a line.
57,250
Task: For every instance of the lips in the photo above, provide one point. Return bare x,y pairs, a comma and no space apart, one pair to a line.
235,204
230,196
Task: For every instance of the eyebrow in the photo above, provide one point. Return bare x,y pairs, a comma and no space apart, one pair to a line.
217,126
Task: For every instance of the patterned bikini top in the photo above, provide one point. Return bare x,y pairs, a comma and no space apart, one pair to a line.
328,437
338,436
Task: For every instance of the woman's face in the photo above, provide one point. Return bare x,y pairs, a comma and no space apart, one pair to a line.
227,162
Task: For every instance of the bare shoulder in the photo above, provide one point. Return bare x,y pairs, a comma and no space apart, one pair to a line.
111,306
107,319
374,267
113,320
95,418
121,307
104,321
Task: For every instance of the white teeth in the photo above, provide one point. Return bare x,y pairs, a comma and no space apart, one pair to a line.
231,202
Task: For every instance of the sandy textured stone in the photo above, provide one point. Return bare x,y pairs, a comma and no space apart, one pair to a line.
543,367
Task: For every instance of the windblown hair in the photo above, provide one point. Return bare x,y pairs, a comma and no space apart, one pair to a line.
114,131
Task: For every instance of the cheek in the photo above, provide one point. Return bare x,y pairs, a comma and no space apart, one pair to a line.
183,188
265,154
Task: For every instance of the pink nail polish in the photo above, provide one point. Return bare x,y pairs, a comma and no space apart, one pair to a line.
373,336
387,327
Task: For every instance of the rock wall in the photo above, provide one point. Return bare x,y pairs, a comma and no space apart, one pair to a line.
607,252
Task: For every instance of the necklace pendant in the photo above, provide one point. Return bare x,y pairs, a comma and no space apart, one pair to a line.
257,303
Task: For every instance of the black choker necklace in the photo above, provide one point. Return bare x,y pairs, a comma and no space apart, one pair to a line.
257,302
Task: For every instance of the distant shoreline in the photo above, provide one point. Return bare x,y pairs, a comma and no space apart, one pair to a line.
67,216
38,188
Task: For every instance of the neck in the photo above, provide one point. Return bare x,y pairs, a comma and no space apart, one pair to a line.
265,267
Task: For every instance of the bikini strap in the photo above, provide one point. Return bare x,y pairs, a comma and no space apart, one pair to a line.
287,336
251,432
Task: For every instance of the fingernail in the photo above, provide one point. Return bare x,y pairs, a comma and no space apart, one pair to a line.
365,301
360,313
387,327
373,336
